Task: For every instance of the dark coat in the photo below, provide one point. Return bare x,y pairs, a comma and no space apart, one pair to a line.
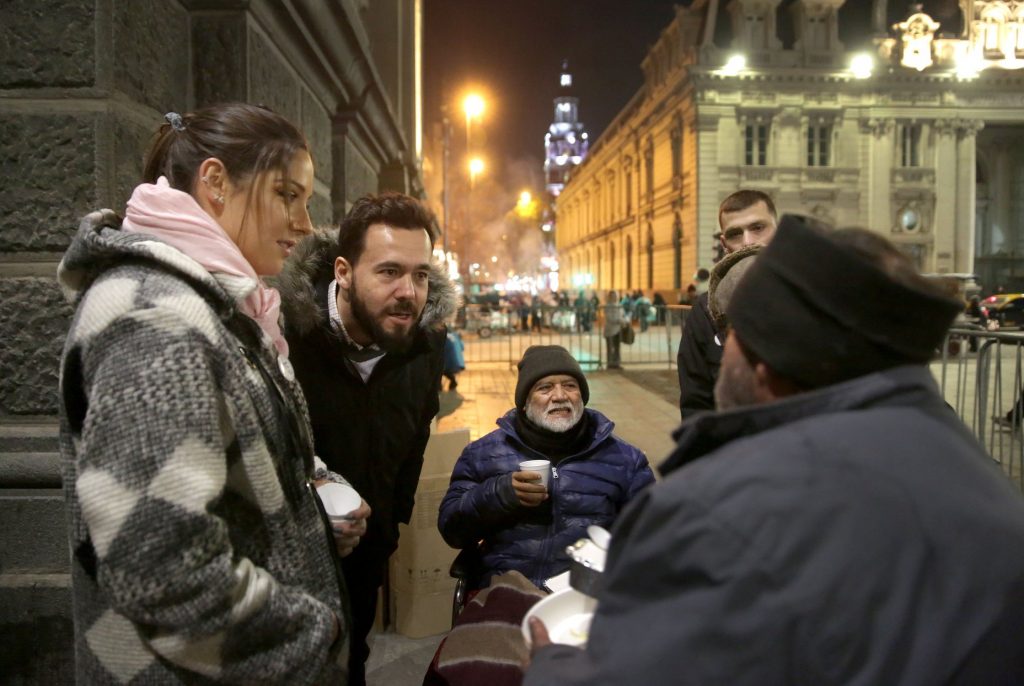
590,487
853,535
373,433
698,360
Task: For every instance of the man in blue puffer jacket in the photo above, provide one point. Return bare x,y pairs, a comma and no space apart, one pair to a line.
523,525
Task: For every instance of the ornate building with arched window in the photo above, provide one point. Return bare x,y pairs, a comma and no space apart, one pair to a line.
910,123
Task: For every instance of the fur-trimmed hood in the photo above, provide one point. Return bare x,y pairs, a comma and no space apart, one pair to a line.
313,260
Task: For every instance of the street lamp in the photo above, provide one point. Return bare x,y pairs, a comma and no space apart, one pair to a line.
473,106
476,168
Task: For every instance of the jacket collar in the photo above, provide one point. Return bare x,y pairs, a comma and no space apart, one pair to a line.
100,243
705,432
602,429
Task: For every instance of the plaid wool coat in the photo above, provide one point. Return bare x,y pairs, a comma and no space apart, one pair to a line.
199,551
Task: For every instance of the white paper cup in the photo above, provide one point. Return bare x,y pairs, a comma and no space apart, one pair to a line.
542,467
339,501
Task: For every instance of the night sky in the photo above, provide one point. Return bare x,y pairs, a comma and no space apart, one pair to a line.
512,51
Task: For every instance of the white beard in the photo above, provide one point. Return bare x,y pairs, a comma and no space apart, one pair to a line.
552,423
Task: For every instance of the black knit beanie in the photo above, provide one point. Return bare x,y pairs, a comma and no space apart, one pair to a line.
544,360
818,312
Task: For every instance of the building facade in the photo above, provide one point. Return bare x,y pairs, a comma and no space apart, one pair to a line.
83,86
915,135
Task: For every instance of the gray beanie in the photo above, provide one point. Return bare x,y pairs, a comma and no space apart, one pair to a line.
725,275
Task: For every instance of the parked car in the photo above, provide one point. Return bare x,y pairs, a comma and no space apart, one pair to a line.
993,302
1008,310
484,320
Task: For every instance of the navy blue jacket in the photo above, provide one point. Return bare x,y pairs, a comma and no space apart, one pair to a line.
853,535
590,487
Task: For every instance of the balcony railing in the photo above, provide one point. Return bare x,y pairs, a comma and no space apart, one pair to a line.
917,175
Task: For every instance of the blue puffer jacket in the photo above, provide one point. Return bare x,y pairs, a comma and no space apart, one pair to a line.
590,487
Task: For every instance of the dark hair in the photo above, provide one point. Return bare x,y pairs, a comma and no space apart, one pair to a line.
248,139
394,209
742,199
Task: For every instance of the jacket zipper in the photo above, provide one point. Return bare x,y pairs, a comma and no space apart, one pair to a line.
546,549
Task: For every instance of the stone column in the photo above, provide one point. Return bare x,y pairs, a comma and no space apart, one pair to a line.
944,219
966,191
878,163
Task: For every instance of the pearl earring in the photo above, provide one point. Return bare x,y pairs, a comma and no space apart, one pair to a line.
220,199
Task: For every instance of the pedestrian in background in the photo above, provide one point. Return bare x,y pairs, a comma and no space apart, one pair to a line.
614,318
198,552
747,217
454,360
659,307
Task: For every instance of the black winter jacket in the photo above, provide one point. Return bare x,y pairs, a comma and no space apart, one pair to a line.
698,360
373,433
853,535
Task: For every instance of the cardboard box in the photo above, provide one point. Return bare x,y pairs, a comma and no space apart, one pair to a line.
420,565
424,614
442,451
421,589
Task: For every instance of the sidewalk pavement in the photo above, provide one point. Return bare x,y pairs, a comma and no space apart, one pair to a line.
642,417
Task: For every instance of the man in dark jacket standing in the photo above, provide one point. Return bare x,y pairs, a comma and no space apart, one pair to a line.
526,526
747,217
364,316
835,522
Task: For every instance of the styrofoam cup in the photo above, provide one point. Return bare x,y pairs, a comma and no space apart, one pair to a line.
542,467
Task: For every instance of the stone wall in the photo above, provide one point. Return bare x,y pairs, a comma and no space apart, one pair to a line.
83,85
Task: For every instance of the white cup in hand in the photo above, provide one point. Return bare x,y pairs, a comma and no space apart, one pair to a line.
542,467
339,500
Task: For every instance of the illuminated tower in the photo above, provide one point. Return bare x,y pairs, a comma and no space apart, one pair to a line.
565,143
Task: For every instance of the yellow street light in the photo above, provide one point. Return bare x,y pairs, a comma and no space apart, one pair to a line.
476,168
473,105
527,206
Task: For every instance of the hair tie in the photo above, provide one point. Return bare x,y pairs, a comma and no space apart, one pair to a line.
175,120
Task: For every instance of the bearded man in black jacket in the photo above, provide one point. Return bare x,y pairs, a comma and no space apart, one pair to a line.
364,316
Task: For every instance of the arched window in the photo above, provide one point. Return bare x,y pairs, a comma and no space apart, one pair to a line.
650,257
677,256
611,263
629,262
597,275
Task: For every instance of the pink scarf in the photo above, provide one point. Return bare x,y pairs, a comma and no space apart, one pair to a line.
178,220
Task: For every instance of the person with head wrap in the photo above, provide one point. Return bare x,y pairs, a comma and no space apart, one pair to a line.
526,526
834,522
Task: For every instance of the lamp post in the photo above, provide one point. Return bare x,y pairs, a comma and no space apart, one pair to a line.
446,128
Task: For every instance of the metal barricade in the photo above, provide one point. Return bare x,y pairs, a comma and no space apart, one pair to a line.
500,334
980,375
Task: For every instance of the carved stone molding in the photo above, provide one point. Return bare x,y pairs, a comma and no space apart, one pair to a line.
968,128
877,126
945,127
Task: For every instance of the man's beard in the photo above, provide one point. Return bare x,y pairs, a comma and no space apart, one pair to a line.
556,424
392,342
735,386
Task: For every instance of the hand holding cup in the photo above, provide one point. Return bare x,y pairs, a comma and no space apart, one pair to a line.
531,482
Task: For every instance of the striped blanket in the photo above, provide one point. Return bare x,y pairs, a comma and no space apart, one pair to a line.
486,646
